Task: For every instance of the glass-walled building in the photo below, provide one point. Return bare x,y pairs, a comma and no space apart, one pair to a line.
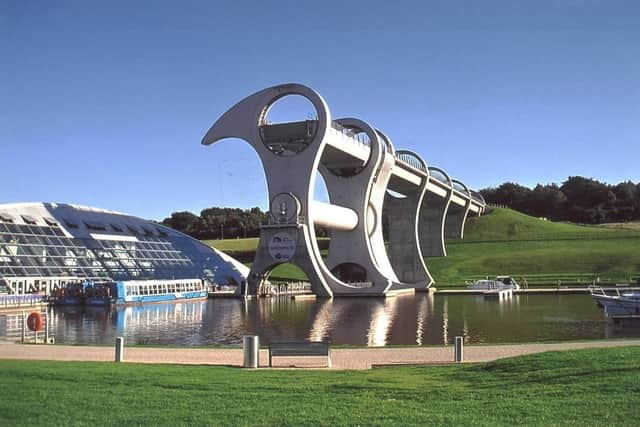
43,246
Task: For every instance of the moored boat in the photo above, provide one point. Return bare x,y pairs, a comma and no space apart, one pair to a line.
98,293
71,294
618,304
499,283
147,291
104,293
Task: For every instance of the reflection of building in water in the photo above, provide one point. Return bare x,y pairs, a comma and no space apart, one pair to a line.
402,320
374,321
76,324
224,320
140,320
353,320
424,305
280,318
445,322
322,322
381,320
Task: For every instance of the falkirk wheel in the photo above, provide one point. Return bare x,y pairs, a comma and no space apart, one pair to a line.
364,174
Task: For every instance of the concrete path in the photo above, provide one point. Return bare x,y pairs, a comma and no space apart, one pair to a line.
359,358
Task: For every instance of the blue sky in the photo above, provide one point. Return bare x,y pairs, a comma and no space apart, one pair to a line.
105,103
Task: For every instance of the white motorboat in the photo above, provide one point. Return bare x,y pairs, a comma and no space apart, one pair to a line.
500,282
618,303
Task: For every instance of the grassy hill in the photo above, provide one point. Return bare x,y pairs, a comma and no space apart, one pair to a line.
507,225
504,241
507,242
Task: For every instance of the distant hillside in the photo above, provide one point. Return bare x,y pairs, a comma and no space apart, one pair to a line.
504,241
501,224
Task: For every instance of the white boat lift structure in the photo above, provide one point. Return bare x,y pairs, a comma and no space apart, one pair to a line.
365,176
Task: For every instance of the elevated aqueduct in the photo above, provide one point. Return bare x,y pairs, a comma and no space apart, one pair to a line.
363,174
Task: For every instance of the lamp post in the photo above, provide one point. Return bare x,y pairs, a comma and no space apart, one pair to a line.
221,231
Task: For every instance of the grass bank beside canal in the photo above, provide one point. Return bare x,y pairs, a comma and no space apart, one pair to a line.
508,242
582,387
541,262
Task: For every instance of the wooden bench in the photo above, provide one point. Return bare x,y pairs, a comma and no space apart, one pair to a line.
295,349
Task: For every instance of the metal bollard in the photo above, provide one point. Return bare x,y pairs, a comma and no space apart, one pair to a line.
119,349
46,328
251,350
458,350
24,326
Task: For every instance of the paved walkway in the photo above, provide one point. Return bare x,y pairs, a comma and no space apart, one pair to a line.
360,358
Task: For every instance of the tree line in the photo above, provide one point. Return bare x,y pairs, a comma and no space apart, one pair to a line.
218,223
578,199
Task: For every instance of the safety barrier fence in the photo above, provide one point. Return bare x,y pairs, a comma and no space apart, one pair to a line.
411,160
14,326
598,235
17,301
564,280
290,288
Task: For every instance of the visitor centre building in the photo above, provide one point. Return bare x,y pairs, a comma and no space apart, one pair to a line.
45,246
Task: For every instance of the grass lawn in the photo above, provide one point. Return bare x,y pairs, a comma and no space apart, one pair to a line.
288,272
506,224
508,242
613,260
623,225
243,245
584,387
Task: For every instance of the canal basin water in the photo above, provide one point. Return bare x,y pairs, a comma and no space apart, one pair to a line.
419,319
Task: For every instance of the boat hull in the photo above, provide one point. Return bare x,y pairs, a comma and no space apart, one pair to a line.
98,301
170,297
616,306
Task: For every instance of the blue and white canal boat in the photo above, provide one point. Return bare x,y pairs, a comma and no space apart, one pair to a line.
148,291
105,293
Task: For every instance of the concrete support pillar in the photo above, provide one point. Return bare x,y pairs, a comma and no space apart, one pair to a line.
457,215
362,192
404,249
431,228
455,220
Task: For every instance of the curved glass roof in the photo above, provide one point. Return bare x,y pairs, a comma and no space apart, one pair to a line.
45,240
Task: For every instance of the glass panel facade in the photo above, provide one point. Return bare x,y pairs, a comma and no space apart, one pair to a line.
45,241
34,251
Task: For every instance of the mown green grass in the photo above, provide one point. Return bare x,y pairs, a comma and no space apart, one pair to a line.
288,272
505,224
613,260
249,244
508,242
586,387
635,226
